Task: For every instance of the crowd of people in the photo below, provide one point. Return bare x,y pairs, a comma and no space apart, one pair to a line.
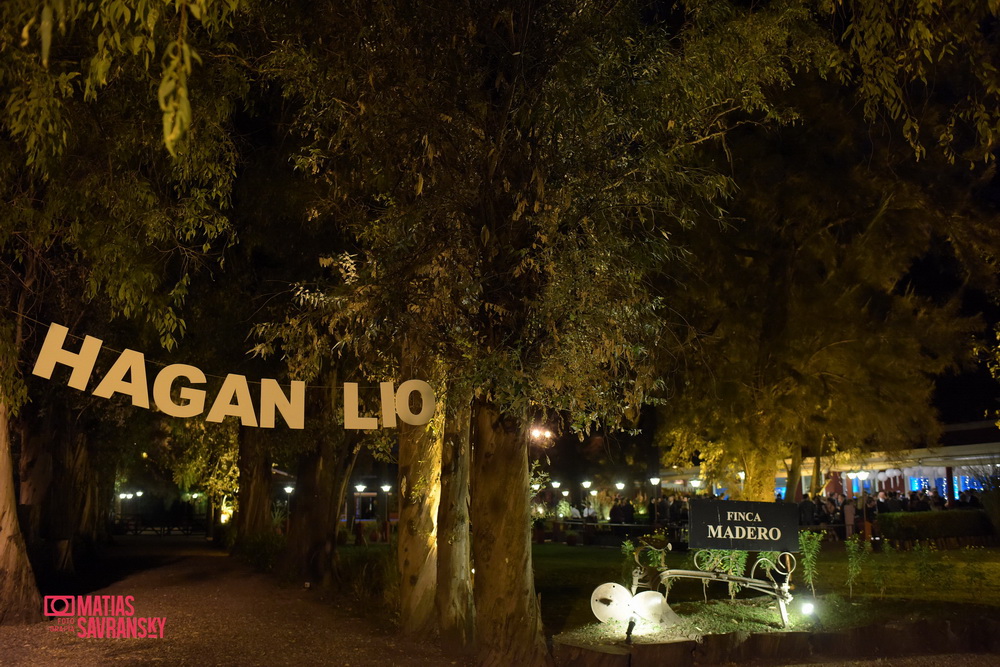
845,516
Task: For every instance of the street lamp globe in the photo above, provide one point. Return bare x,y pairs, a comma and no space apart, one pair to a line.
619,485
289,489
360,488
586,483
386,488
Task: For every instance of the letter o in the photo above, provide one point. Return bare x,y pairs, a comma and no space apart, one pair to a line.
774,533
426,399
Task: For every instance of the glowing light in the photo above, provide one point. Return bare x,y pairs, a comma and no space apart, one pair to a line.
742,475
193,495
556,485
808,608
619,485
536,486
655,481
547,434
586,483
536,433
122,496
289,489
696,483
852,475
145,455
360,488
593,492
386,488
128,496
565,494
863,475
139,493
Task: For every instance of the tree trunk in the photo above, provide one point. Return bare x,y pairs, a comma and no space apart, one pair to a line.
253,510
35,474
794,479
420,494
508,618
316,504
456,611
19,599
760,464
817,483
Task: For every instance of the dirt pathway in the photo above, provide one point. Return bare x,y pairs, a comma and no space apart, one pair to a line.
217,611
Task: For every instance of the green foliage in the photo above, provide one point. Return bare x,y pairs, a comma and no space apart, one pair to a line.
203,455
858,552
900,54
729,561
564,510
783,304
883,567
510,203
370,576
914,526
810,543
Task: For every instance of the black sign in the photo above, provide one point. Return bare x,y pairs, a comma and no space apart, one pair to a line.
728,524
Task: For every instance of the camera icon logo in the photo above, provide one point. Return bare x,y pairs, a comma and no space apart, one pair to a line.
59,605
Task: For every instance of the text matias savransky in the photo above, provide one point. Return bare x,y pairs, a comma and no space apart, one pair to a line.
109,617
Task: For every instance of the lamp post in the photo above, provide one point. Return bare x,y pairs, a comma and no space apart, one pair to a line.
288,508
385,531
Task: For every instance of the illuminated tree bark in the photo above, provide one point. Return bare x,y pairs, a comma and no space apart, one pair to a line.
508,618
19,600
420,496
794,477
456,610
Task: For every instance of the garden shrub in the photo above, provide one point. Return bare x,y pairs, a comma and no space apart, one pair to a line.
858,552
370,575
261,550
809,545
914,526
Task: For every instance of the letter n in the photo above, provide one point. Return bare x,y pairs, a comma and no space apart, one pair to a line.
292,408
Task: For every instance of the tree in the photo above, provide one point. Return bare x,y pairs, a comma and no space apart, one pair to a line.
509,177
816,334
87,188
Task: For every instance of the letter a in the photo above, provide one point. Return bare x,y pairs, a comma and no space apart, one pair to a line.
234,386
134,364
53,353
